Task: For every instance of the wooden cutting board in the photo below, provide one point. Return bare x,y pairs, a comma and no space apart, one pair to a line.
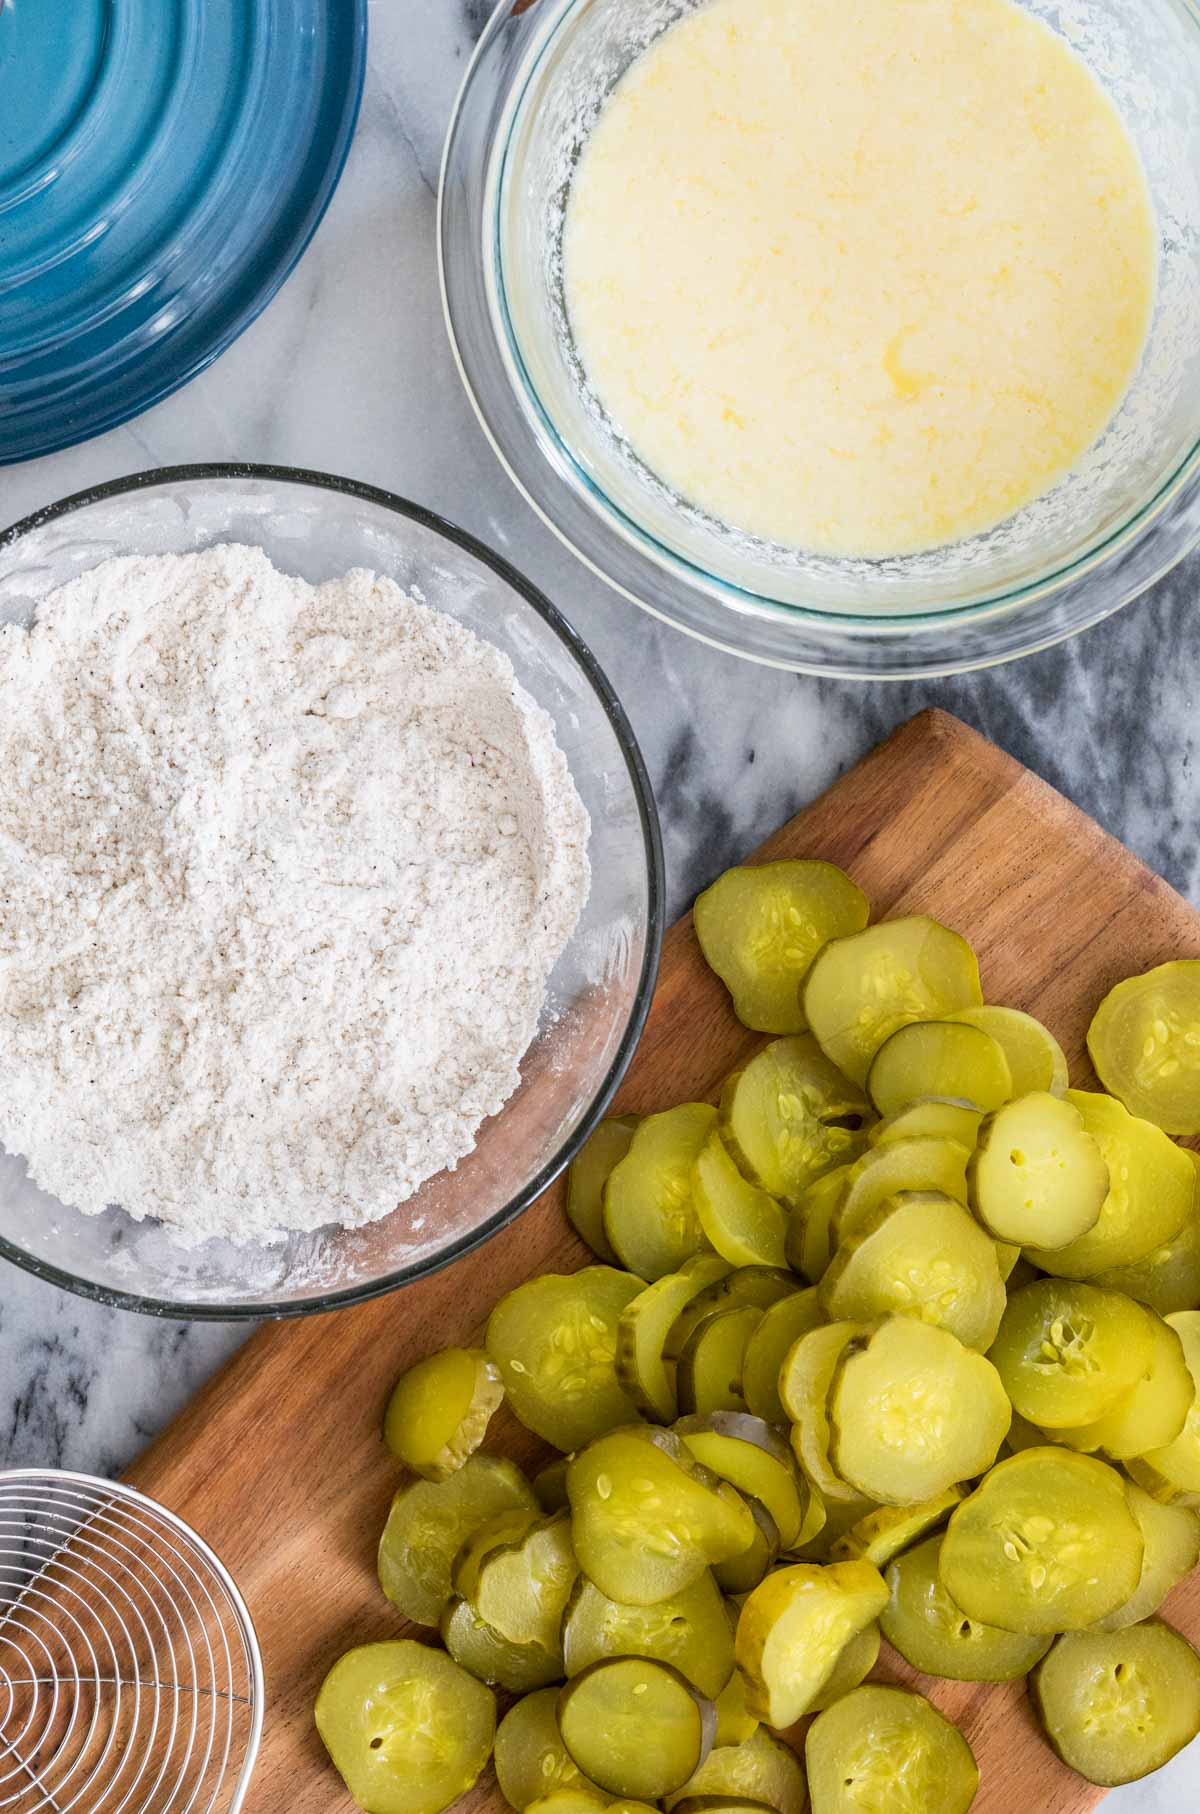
279,1462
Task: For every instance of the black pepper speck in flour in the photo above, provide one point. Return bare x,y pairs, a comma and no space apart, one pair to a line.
283,871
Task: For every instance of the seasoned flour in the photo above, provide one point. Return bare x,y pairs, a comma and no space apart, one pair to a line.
283,871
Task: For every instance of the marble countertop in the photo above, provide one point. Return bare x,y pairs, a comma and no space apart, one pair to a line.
349,370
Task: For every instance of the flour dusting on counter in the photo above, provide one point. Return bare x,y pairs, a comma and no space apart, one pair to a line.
283,872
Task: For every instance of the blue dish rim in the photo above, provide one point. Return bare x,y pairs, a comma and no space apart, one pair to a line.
299,242
656,895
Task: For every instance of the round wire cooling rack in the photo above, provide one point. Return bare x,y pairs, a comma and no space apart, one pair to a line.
130,1675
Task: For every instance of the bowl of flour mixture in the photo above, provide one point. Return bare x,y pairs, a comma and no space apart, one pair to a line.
330,892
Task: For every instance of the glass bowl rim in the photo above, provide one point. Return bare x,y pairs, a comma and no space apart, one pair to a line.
609,519
648,819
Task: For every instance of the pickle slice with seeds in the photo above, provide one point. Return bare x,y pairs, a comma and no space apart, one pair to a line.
923,1255
794,1627
487,1656
744,1223
1068,1352
440,1409
756,1460
935,1057
887,1748
782,1325
1145,1044
1154,1412
882,1171
930,1117
854,1665
741,1573
644,1327
428,1524
1036,1061
762,1768
805,1380
554,1340
1168,1278
691,1631
1037,1177
588,1174
1175,1469
709,1376
1171,1535
861,989
1046,1543
761,925
520,1585
912,1412
1117,1705
647,1519
889,1529
650,1219
635,1726
1150,1196
935,1635
531,1759
789,1115
760,1286
407,1730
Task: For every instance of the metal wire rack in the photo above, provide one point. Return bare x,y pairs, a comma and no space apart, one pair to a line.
130,1675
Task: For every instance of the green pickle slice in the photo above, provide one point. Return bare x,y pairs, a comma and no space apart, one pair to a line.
487,1656
1145,1044
935,1635
861,989
709,1375
935,1058
882,1171
440,1409
936,1117
1068,1352
531,1759
919,1254
761,1768
755,1459
854,1665
810,1223
912,1412
789,1115
805,1380
1171,1535
407,1730
643,1329
647,1519
428,1524
1046,1543
1174,1470
761,925
744,1223
741,1573
888,1749
1036,1061
587,1176
1153,1413
554,1340
635,1726
782,1325
520,1585
793,1629
691,1631
1037,1175
1150,1195
735,1722
650,1219
883,1533
1168,1278
1117,1705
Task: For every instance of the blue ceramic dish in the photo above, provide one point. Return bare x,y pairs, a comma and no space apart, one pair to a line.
163,164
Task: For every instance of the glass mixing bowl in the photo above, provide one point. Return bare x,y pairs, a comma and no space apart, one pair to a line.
319,527
1126,514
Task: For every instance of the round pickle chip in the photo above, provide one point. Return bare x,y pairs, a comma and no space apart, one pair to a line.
861,989
1174,1471
440,1409
1168,1278
782,1325
810,1223
1153,1413
744,1223
855,1663
935,1117
935,1635
650,1219
692,1632
761,925
887,1748
487,1656
1117,1705
531,1759
761,1768
755,1459
1036,1176
741,1573
407,1730
1068,1352
430,1521
635,1726
883,1533
938,1058
1171,1534
1036,1061
912,1412
554,1340
709,1374
920,1254
917,1163
790,1115
805,1380
521,1585
1145,1044
587,1176
793,1629
1046,1543
643,1329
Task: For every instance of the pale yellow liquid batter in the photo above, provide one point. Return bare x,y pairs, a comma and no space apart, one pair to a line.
859,276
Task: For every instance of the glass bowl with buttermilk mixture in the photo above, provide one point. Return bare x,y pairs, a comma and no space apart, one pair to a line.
859,339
